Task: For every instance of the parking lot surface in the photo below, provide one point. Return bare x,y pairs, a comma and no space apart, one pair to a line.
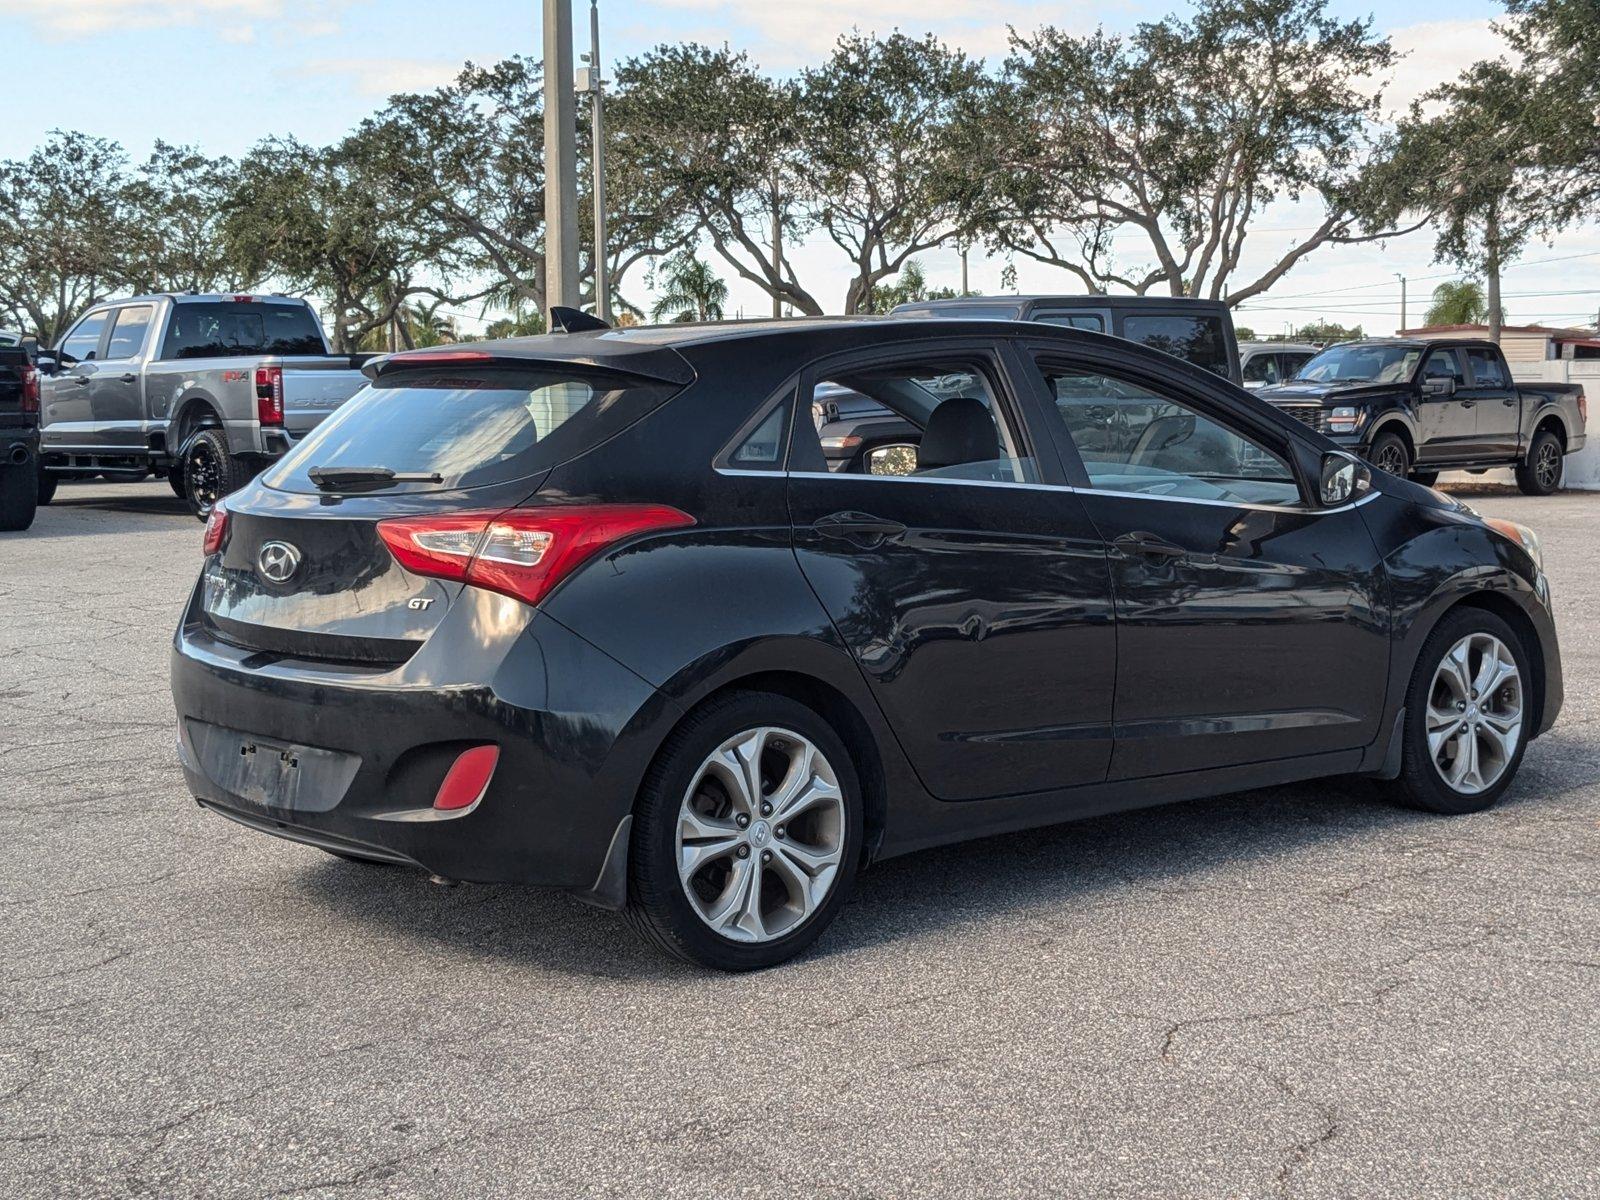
1295,992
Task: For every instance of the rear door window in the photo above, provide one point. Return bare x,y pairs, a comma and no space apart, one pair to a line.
470,428
1194,339
128,333
235,328
1486,371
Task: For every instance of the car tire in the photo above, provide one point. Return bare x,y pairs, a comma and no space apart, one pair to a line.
19,498
689,802
47,484
175,482
1433,694
1389,453
210,472
1541,473
1425,478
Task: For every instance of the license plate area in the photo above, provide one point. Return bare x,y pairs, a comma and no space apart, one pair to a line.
271,774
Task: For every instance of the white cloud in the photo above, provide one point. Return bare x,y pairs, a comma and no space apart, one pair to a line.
383,77
64,19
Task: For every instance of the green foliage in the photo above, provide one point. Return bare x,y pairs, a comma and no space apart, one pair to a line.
909,287
1244,333
1459,302
690,291
1326,332
175,210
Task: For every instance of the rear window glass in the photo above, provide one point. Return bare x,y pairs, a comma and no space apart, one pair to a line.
470,428
230,328
1195,339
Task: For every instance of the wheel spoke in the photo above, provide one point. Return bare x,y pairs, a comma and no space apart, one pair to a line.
805,889
1440,733
739,767
1501,733
1492,672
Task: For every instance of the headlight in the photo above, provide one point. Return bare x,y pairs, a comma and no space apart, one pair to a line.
1523,536
1343,420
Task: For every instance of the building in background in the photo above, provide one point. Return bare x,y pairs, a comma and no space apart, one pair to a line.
1523,343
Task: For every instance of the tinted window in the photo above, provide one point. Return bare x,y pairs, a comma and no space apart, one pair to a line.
1261,368
762,449
1197,339
127,335
1486,370
1133,440
469,427
231,328
1444,364
1292,363
1357,363
84,341
1093,322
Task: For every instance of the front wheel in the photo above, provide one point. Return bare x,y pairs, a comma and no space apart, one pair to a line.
1541,474
746,835
19,497
1468,715
1425,478
1389,454
210,472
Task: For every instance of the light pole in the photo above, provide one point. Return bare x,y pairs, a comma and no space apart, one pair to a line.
560,159
589,81
1403,321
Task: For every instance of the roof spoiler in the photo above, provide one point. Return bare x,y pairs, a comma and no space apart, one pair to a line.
571,320
655,364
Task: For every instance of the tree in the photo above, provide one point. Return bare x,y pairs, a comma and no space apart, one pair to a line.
1181,134
891,134
705,129
62,230
1327,332
910,287
1458,302
690,291
1244,333
175,210
1561,77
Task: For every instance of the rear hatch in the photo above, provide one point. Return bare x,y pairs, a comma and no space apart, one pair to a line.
304,571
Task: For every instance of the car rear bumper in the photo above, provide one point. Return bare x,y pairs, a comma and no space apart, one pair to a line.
349,757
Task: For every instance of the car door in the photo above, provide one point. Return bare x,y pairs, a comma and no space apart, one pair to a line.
1447,418
116,390
973,595
1249,624
1495,399
65,396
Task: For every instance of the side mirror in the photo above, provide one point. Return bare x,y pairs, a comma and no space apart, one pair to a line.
900,458
1344,478
1254,385
1439,385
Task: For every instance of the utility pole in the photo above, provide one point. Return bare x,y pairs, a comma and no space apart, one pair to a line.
777,239
589,81
964,289
1402,280
560,159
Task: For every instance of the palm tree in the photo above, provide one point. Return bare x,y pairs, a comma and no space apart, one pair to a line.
1459,302
690,291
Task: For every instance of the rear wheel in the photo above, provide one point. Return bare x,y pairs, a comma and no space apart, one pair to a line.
1468,714
1389,453
175,481
1425,478
19,497
47,486
1541,474
746,836
210,472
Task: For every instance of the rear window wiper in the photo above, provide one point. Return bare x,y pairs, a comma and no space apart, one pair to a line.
329,478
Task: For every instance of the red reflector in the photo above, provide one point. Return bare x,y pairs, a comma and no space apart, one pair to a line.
269,395
468,778
522,552
216,528
438,356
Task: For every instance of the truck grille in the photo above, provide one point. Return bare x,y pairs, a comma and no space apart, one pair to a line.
1314,415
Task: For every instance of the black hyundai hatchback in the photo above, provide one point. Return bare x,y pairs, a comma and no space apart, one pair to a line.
588,610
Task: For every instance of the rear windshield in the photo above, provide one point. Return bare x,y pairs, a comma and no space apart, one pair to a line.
232,328
471,428
1199,340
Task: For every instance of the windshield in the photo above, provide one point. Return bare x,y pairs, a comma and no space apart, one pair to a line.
239,328
468,427
1362,364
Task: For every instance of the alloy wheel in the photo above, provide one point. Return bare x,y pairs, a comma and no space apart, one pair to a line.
203,475
760,835
1391,458
1547,466
1474,719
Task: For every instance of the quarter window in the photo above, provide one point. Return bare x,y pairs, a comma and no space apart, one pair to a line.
1093,322
127,334
762,448
83,343
1486,372
1134,441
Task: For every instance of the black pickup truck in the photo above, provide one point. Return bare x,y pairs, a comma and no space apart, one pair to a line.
1417,407
19,437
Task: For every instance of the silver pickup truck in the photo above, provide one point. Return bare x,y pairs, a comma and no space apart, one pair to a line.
204,389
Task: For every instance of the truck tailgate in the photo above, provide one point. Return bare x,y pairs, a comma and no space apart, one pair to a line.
313,388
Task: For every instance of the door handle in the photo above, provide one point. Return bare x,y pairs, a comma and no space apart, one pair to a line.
1147,545
130,377
1509,402
857,526
81,380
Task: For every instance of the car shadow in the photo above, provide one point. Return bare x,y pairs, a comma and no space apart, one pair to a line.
1156,852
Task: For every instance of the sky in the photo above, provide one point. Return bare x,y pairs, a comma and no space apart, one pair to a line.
221,74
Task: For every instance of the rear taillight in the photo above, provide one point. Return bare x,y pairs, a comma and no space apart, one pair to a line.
467,779
216,528
30,389
1583,406
269,395
522,552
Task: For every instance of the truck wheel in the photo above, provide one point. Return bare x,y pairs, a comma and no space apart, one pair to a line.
210,472
1541,474
48,481
19,497
1425,478
175,482
1389,454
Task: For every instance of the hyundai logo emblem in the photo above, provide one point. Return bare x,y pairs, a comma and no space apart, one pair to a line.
278,561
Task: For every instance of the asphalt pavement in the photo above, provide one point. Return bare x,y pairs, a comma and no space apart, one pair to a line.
1294,992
